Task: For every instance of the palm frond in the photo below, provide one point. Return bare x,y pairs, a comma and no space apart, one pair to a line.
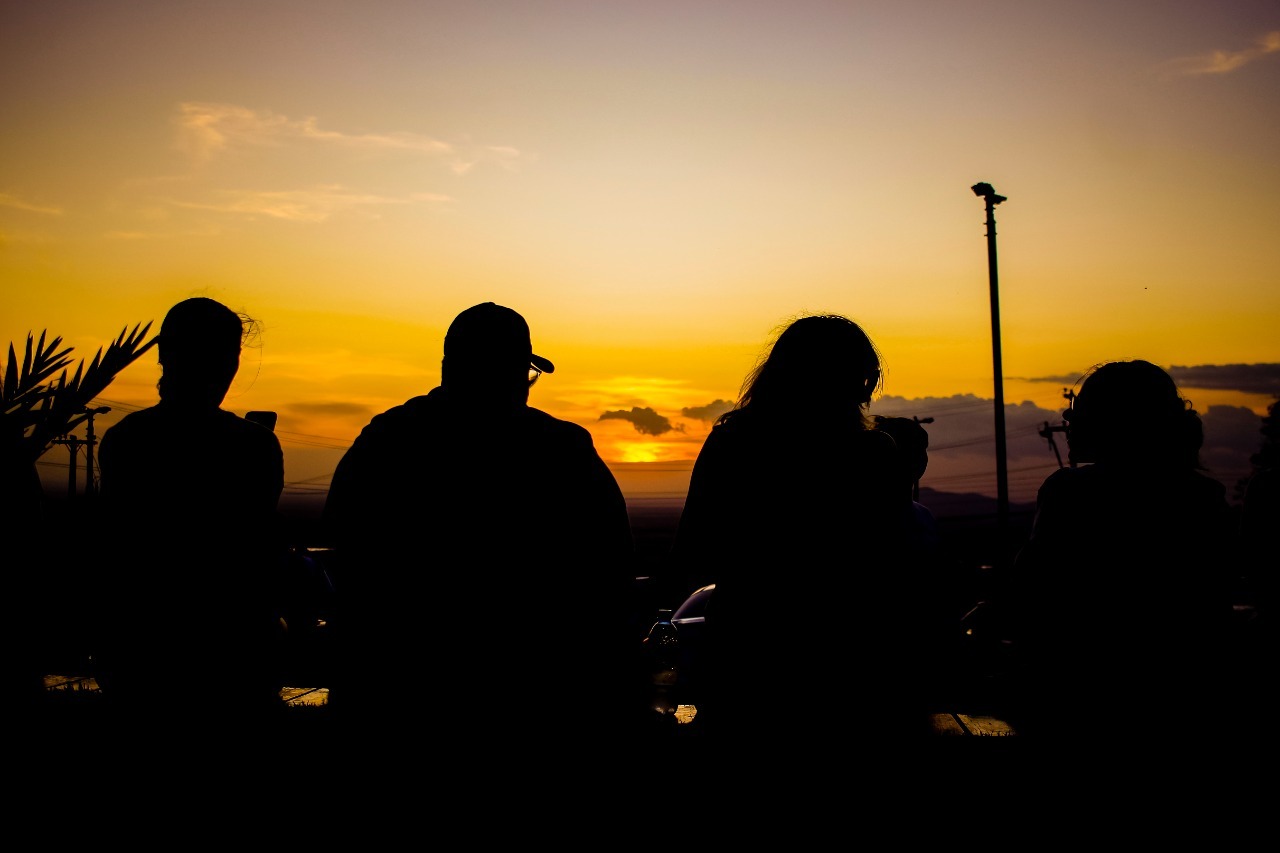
37,411
39,362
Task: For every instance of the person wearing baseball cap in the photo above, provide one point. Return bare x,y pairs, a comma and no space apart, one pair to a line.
488,356
464,521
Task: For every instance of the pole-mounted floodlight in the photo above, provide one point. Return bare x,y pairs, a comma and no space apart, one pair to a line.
989,195
988,192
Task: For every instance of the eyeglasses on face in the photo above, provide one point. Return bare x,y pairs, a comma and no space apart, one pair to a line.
534,373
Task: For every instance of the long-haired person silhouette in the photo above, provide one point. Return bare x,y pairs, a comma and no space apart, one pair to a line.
796,512
189,496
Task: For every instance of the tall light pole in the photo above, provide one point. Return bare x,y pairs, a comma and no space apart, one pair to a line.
988,194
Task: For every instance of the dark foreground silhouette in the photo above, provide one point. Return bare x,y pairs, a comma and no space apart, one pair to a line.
484,570
1122,597
484,562
799,512
188,511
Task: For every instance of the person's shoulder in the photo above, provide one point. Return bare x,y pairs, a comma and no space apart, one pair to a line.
409,414
740,425
1068,481
1066,475
133,420
133,424
1088,475
875,440
547,424
249,430
923,514
1263,486
1210,489
415,407
874,452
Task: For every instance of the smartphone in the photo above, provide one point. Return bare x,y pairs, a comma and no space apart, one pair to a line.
267,419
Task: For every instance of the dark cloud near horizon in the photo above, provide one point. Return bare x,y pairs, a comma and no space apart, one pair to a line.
1247,378
345,410
1263,378
1066,380
709,412
1232,435
962,443
646,420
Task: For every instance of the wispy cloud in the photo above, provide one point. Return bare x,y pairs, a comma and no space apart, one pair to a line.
10,200
201,232
206,130
312,205
505,156
1223,61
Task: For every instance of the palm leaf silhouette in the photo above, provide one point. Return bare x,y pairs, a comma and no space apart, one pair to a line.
37,409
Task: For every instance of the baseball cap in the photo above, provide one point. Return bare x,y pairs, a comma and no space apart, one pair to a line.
492,334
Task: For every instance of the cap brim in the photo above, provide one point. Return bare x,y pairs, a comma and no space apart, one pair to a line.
542,364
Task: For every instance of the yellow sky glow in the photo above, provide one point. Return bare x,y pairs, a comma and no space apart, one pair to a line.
655,192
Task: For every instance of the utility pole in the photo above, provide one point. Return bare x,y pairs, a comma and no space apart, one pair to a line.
91,479
988,194
73,443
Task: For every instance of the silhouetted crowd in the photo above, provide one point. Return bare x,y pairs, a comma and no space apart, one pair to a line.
484,565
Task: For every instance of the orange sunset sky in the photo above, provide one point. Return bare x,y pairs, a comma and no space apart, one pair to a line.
656,186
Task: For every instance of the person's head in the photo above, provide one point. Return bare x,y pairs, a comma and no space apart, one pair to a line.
199,350
822,364
488,355
912,441
1132,412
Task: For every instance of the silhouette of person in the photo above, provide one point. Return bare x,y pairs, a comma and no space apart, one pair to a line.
1121,598
796,510
944,594
1260,558
484,562
25,624
1260,520
190,615
912,441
